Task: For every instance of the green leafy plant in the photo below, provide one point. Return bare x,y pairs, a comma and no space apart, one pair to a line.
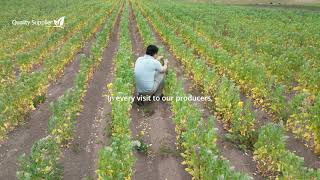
42,163
140,146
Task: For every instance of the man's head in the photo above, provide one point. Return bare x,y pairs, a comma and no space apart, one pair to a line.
152,50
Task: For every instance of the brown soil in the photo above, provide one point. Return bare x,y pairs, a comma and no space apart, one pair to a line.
240,160
163,160
296,146
80,159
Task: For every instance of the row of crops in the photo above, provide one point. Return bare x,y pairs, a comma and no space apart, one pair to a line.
45,153
268,142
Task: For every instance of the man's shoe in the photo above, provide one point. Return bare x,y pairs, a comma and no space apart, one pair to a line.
140,103
161,97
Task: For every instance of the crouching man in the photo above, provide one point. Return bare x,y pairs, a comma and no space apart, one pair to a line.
149,73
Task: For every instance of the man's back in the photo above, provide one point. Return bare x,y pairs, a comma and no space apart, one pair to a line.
145,69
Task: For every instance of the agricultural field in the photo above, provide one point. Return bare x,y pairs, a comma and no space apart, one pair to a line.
242,94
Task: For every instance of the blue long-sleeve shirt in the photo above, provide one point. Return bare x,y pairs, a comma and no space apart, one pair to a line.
145,70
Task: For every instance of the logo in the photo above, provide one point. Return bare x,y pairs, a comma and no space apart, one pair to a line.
48,23
59,22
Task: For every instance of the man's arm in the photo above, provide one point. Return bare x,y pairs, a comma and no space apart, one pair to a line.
159,67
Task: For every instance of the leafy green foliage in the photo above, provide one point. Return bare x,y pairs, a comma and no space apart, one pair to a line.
41,164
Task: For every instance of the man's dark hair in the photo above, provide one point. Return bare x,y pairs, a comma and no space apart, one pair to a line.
152,50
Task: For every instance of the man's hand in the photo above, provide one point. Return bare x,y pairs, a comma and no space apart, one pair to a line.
159,58
165,66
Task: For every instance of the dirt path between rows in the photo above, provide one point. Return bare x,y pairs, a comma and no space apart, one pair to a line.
238,159
21,139
79,161
298,147
163,161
